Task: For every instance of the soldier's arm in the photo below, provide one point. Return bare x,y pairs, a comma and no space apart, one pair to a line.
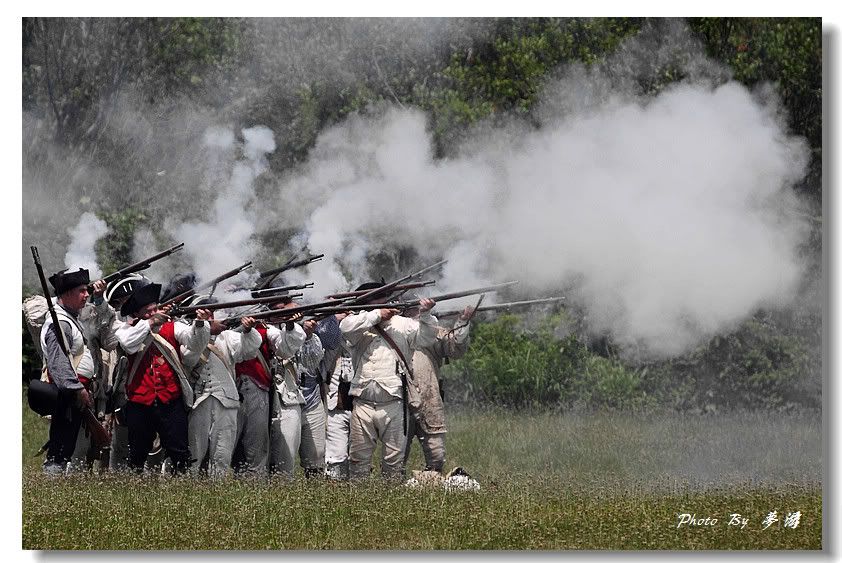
58,364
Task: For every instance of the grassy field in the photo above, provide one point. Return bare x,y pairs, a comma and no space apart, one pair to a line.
549,482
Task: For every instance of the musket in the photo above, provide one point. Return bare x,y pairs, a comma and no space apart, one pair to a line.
185,294
177,311
401,287
99,435
273,290
390,287
142,265
502,306
270,275
282,314
403,305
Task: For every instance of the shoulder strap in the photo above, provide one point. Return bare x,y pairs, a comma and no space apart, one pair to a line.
218,353
168,351
74,360
146,344
394,347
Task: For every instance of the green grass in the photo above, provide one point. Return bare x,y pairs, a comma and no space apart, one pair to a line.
548,482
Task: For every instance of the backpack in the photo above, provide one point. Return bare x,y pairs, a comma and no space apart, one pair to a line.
35,311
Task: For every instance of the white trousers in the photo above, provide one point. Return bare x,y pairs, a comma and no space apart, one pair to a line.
312,448
372,423
286,438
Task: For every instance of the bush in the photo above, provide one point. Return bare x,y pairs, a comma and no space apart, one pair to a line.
512,367
608,384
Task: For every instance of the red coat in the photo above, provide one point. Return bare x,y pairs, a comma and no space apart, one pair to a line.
253,368
154,377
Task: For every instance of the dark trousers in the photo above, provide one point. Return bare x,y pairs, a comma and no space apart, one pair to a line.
169,421
65,422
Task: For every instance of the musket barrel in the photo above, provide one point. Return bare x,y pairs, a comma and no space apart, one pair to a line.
378,291
402,287
502,306
291,265
184,295
234,304
408,304
143,264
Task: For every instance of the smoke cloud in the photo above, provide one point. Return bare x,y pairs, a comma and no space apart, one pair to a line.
83,237
666,216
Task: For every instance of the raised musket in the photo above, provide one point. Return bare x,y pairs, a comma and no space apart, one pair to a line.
138,266
283,314
272,290
401,287
403,305
268,276
502,306
177,311
185,294
390,287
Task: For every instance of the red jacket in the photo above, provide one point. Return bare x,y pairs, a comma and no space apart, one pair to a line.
253,368
154,377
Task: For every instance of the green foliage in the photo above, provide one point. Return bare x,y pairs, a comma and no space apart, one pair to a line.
508,366
115,250
756,366
506,75
191,50
608,384
784,51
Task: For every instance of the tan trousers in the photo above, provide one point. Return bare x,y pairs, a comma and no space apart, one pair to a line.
431,444
377,422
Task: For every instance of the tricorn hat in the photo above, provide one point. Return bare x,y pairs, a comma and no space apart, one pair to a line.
123,287
370,285
141,297
64,280
178,285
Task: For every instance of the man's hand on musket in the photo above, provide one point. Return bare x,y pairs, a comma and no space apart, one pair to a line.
247,323
309,326
290,324
83,399
467,313
425,305
159,317
99,288
386,314
204,315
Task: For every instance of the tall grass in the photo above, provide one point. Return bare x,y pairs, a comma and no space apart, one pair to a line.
548,482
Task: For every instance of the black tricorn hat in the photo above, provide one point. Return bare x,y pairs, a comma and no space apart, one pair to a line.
370,285
140,297
64,280
123,287
179,284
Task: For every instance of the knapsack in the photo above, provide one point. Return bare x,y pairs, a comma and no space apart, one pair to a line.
35,311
